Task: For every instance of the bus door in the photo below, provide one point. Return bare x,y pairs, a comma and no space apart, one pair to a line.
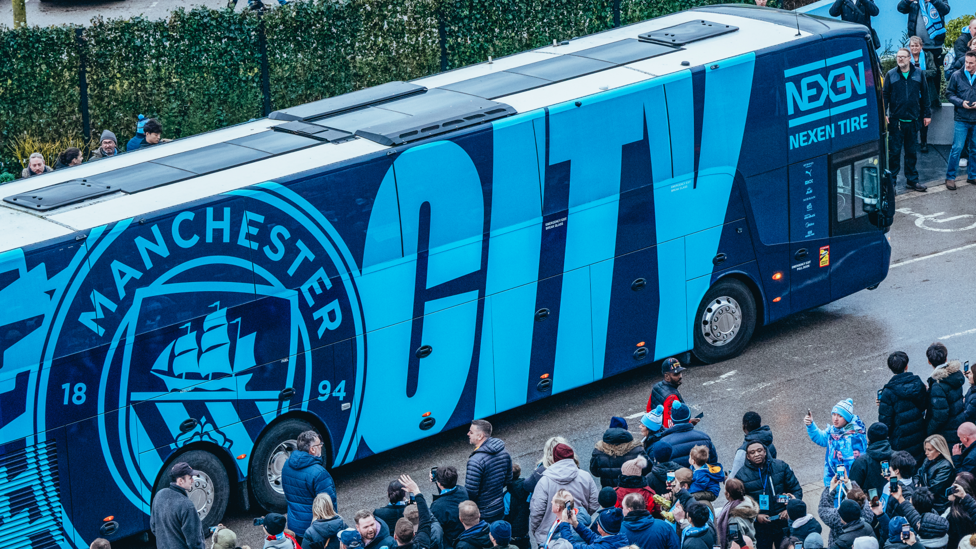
857,245
809,234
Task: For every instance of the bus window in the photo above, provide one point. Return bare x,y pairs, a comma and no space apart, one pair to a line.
843,176
856,188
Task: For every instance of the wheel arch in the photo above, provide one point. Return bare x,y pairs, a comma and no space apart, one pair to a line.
309,417
754,288
219,452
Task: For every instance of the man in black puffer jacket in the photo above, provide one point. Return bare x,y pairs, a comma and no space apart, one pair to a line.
617,447
866,470
947,411
854,526
764,479
932,528
755,431
489,470
446,504
903,402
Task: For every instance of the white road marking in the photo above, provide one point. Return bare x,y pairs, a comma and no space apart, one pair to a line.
920,220
721,378
153,5
639,414
967,332
953,250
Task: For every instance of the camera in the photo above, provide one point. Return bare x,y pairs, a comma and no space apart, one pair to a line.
259,521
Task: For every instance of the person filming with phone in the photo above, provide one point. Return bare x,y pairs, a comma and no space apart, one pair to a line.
844,440
766,478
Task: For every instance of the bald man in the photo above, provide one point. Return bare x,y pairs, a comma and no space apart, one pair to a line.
962,454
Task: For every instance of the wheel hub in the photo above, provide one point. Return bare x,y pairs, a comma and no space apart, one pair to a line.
276,462
721,321
202,494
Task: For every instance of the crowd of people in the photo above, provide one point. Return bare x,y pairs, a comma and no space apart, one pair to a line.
906,479
149,132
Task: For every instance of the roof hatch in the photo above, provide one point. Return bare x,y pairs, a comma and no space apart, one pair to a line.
686,33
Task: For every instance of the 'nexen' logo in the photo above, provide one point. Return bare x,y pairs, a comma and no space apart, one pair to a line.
811,92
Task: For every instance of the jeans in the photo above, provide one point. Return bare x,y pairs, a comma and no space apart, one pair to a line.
901,135
963,133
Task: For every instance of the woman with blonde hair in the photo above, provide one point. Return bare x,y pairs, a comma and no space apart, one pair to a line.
937,472
326,525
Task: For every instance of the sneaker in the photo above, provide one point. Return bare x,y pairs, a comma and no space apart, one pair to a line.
918,187
925,148
963,162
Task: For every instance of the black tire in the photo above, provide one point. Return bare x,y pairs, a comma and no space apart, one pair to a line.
266,495
719,295
204,462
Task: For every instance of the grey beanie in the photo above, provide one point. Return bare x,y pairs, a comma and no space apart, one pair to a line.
107,134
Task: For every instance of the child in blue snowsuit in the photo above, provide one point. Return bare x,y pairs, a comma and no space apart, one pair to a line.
845,439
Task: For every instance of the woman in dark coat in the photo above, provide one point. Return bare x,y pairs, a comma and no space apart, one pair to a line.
946,408
326,525
937,472
617,447
961,522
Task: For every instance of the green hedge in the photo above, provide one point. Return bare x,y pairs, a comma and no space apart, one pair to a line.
200,70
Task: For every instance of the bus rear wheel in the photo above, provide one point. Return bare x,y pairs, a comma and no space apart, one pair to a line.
268,459
725,321
211,488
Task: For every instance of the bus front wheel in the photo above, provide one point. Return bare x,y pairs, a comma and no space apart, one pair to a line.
725,321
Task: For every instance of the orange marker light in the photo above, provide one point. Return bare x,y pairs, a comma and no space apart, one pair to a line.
242,456
544,376
641,344
426,414
108,518
778,276
777,299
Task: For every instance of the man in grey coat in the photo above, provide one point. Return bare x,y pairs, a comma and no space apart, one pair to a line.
174,520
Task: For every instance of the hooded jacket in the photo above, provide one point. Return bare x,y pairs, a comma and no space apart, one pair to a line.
445,510
518,508
699,538
844,445
630,485
850,532
475,537
390,513
683,437
564,474
26,172
903,402
303,477
762,435
322,532
174,520
859,12
383,537
489,470
283,542
707,479
744,514
804,526
866,470
774,477
618,446
647,532
946,406
937,476
658,479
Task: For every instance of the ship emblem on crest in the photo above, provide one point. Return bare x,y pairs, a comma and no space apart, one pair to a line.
217,355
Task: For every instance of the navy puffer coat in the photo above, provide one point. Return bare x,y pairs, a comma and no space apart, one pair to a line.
303,477
489,470
946,407
323,532
682,438
903,402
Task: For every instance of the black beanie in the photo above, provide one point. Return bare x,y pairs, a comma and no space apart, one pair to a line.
849,511
877,431
608,497
796,509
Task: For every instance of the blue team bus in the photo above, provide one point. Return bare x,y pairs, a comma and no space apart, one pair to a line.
393,262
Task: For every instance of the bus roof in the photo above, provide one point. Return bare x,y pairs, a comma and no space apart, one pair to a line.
342,128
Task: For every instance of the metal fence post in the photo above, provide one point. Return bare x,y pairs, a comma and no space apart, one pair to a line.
265,71
83,83
616,13
442,38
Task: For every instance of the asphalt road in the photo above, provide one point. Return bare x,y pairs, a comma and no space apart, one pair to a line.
810,360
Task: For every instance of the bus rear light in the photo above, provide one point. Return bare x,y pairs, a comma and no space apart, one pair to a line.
108,518
242,456
778,276
641,344
425,414
544,376
777,299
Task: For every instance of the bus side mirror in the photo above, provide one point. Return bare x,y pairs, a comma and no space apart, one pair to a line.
871,186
